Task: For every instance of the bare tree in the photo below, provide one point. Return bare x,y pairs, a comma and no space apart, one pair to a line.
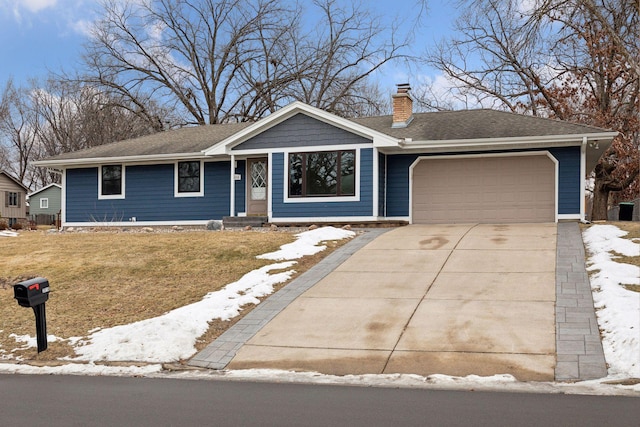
346,47
57,116
18,132
575,60
4,154
73,115
187,53
618,22
238,60
601,54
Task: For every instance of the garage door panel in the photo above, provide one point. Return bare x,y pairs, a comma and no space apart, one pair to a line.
485,190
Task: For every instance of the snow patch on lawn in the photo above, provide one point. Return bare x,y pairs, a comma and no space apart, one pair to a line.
172,336
617,309
307,243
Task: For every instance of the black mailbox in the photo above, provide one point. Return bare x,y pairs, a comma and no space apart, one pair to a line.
31,293
34,293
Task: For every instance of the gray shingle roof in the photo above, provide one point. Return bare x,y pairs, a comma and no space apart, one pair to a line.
474,124
433,126
186,140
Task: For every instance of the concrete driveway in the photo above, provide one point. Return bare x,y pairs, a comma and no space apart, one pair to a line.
425,299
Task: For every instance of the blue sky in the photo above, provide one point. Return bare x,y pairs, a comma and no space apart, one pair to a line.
41,35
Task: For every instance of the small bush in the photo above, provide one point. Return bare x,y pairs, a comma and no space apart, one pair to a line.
17,226
3,225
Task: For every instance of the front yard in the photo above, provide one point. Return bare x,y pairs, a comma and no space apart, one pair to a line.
105,278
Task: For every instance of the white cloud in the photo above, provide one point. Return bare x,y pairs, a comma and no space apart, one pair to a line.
36,5
82,27
71,14
526,6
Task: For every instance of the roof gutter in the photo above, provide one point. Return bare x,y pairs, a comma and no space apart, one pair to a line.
577,139
112,160
594,145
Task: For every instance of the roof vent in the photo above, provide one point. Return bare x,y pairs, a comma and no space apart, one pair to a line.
402,106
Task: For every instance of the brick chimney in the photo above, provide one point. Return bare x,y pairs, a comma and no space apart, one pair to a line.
402,106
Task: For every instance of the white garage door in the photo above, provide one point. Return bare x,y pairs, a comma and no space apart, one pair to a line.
484,190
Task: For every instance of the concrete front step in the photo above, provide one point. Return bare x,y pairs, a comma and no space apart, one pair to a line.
244,221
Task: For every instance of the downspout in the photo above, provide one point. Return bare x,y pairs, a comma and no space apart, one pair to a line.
583,178
376,183
63,199
270,186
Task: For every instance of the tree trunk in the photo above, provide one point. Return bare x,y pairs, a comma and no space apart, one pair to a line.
600,201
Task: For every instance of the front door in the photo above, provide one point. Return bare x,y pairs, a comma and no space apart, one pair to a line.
257,183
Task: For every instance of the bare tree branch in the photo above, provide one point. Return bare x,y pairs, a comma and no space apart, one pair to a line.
575,60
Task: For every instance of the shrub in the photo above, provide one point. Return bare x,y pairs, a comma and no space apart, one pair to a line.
17,226
3,225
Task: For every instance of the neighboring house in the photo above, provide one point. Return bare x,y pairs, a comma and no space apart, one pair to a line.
13,208
303,165
45,204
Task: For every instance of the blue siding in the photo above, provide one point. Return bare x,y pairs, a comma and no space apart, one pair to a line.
364,207
301,131
569,180
149,196
398,184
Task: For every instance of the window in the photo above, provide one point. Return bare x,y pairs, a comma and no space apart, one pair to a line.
189,178
13,199
111,182
325,173
44,203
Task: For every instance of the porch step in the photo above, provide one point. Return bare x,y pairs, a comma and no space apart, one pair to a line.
243,221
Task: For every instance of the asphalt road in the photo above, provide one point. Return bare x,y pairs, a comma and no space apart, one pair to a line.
117,401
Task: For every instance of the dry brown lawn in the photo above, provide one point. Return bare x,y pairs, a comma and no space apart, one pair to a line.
633,230
103,279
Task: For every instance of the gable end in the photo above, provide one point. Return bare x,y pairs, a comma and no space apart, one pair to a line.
300,131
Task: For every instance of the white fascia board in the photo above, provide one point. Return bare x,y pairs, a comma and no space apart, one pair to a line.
484,144
225,146
112,160
44,188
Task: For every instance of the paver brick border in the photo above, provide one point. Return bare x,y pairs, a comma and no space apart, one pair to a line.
579,353
578,345
219,353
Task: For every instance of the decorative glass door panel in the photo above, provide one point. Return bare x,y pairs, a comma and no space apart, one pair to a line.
257,185
259,180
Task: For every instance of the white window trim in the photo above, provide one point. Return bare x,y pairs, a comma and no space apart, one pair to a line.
44,203
321,199
122,184
175,181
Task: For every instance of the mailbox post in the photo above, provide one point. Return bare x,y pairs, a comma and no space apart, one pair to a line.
34,293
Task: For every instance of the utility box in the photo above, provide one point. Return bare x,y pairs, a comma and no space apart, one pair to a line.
626,212
31,293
